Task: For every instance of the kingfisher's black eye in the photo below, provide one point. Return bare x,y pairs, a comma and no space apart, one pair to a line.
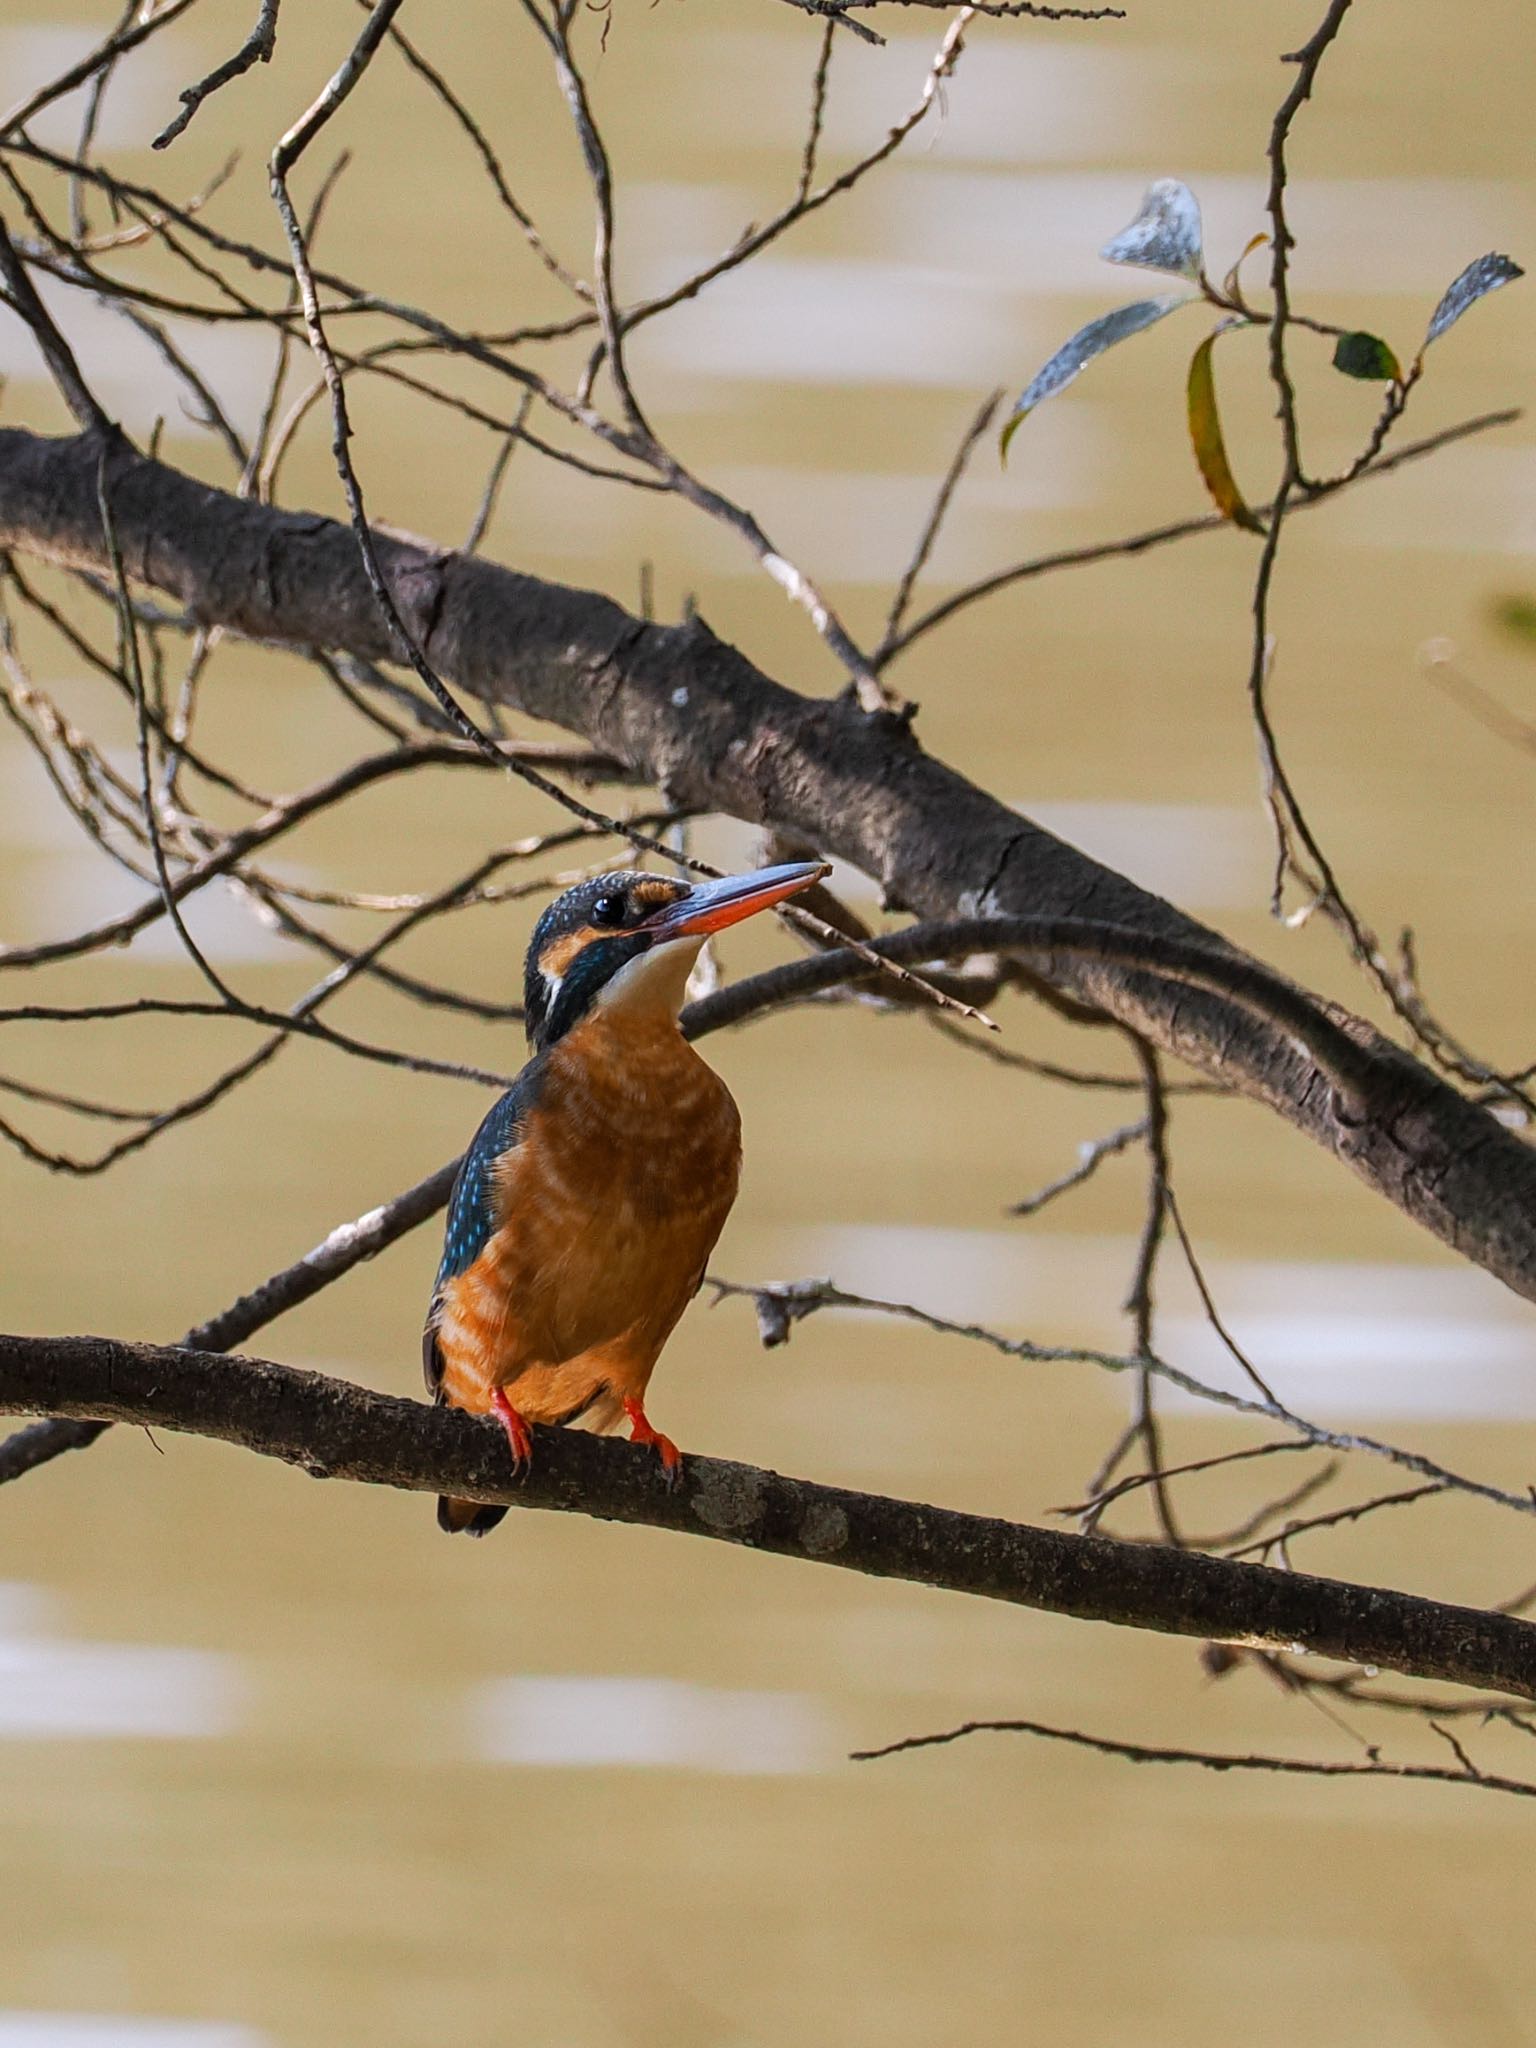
610,910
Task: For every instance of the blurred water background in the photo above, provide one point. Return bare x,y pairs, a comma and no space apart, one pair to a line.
280,1767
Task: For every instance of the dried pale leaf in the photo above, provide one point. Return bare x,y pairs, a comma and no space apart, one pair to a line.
1208,443
1165,235
1368,357
1090,341
1475,282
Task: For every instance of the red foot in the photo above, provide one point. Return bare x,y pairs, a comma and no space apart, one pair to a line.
516,1428
641,1432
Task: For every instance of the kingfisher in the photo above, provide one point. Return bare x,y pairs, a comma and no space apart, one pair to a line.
591,1197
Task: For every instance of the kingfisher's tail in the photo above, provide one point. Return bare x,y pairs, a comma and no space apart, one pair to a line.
467,1517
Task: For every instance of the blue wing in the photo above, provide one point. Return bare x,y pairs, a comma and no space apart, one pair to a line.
472,1205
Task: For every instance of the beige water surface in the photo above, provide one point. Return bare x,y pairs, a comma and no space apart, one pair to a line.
281,1765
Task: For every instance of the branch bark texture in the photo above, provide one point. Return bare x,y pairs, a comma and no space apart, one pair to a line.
335,1430
691,714
336,1253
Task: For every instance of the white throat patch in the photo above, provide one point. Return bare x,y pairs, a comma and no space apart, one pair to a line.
654,981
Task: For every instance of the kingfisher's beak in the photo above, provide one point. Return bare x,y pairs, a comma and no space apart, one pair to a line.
711,906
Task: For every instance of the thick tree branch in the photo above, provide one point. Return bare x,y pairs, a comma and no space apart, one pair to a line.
689,713
363,1237
335,1430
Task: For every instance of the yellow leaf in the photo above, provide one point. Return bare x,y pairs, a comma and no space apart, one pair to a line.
1229,285
1206,439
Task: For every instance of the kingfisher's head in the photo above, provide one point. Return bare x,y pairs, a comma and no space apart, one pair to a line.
630,940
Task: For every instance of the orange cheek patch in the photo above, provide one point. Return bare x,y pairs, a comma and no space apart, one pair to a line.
559,953
658,894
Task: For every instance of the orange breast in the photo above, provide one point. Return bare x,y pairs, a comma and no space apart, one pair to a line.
610,1206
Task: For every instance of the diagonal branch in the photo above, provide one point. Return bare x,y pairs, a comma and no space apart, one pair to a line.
335,1430
21,295
690,714
256,49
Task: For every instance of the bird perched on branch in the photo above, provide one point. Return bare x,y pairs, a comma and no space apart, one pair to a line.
593,1193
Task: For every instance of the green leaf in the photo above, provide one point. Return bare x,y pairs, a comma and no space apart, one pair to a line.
1165,235
1206,439
1075,355
1368,357
1475,282
1517,616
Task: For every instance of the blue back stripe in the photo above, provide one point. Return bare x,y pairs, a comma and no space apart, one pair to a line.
471,1206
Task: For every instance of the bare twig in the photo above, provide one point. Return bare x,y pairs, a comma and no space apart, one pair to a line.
256,49
1142,1753
118,45
934,522
1282,241
1140,1304
57,353
1338,1517
818,111
128,659
1134,1481
782,1304
1208,1303
490,162
1091,1155
1176,530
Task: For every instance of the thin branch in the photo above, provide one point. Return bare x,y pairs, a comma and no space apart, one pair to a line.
256,49
89,123
1208,1302
81,73
1091,1154
298,1021
927,539
781,1305
555,29
128,660
836,16
1347,1065
1142,1753
57,353
818,112
491,164
1338,1517
1052,1070
1282,241
1134,1481
282,818
757,238
1001,10
1140,1303
107,1112
1176,530
405,642
1267,1511
485,510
